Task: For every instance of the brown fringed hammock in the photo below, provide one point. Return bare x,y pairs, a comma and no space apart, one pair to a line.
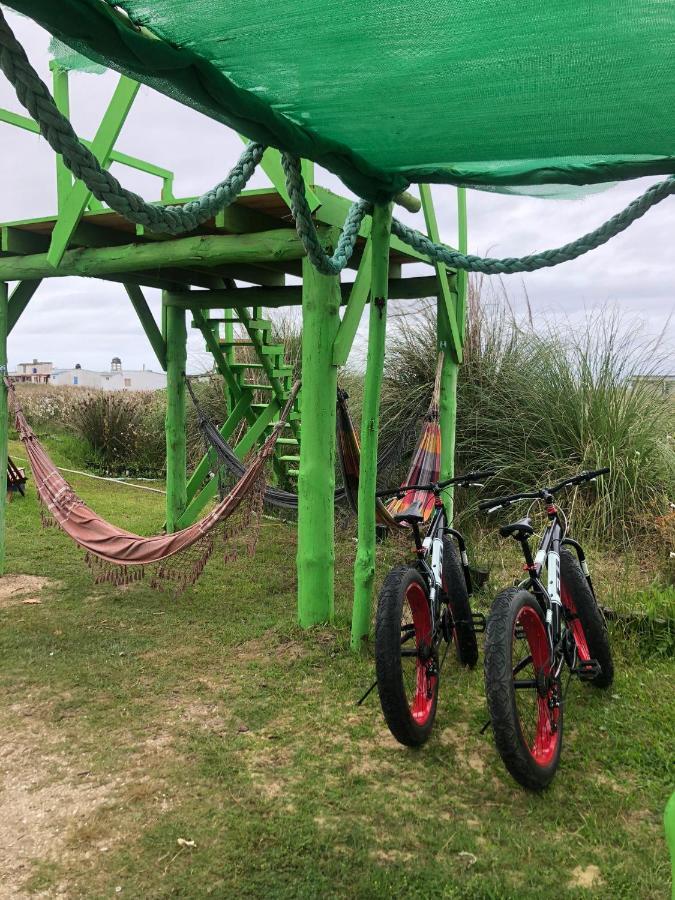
178,559
424,468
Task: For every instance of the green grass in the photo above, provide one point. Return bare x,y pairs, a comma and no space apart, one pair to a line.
134,719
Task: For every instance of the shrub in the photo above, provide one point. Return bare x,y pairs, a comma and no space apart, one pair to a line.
539,405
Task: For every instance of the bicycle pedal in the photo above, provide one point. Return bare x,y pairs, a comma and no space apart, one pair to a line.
587,669
478,622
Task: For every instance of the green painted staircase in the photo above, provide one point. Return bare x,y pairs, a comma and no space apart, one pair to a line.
258,379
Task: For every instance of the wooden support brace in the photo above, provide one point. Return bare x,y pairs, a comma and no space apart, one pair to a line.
147,320
355,306
75,204
176,455
453,337
21,297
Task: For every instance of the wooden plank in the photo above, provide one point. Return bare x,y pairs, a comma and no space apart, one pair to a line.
176,454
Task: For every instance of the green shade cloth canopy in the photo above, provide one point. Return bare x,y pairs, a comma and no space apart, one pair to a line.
385,93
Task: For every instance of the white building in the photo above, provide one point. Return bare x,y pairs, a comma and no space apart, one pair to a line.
117,379
32,373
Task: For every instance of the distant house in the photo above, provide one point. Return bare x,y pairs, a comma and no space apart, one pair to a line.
117,379
35,372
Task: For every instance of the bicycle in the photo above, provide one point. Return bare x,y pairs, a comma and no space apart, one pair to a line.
533,630
426,601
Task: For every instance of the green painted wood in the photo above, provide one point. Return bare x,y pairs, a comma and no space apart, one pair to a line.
4,420
462,276
74,205
452,335
197,251
364,569
176,455
225,368
19,242
147,320
253,433
209,459
351,318
21,297
291,295
61,94
271,166
316,481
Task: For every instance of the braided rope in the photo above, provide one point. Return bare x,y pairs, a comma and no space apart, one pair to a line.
546,258
34,95
304,224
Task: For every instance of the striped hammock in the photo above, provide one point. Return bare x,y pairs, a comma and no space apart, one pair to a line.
424,468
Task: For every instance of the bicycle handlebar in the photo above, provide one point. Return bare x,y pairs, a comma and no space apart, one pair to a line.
437,486
498,502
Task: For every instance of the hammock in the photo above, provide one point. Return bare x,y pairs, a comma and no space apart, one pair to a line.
274,496
424,468
120,557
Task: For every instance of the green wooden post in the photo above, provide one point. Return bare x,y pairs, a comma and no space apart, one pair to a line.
316,482
4,423
450,369
176,456
364,570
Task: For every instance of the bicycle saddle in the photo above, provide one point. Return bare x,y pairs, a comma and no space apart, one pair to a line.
410,516
520,529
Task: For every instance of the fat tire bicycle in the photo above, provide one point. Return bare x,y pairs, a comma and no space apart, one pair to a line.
533,631
420,606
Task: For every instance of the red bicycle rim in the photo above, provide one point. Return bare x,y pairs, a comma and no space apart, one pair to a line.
577,628
423,688
537,720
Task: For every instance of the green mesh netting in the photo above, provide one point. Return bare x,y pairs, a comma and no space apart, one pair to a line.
383,93
69,59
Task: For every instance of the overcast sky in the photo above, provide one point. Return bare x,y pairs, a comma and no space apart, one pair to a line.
88,322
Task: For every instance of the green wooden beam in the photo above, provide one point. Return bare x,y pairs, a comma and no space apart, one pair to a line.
74,205
4,420
21,297
358,298
452,335
364,568
210,490
462,274
197,251
272,167
147,320
64,179
221,361
316,481
176,455
291,295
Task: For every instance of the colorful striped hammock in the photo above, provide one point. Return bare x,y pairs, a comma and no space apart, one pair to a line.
424,468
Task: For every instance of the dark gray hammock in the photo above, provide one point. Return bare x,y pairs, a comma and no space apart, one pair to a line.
228,460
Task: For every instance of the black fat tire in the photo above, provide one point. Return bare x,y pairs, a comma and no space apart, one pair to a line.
388,667
500,692
466,644
592,620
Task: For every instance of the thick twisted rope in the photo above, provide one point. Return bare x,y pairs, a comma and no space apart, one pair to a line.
439,252
304,224
34,95
57,130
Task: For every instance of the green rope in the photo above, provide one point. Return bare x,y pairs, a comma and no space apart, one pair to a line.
34,95
331,265
55,127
